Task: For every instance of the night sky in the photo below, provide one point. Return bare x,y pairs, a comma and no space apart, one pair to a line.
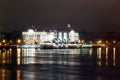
87,15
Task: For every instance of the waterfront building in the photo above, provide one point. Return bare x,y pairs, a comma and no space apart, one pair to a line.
39,37
63,36
73,36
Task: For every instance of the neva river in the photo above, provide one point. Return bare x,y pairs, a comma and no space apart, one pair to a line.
60,64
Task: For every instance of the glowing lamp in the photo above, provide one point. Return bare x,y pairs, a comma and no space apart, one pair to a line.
18,41
4,41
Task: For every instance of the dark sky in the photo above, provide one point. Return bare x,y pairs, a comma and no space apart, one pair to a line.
89,15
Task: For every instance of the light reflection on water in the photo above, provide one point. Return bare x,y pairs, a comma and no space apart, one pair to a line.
7,74
66,63
101,56
114,49
5,56
107,56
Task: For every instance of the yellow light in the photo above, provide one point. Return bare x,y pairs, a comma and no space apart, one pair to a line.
114,41
4,41
18,41
99,42
11,41
0,44
83,41
106,41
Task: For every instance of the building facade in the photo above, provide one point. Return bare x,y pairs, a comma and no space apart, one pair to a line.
31,37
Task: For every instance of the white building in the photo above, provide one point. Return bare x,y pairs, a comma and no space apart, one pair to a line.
32,37
73,36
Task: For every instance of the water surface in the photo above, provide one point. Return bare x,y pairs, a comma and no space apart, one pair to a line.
60,64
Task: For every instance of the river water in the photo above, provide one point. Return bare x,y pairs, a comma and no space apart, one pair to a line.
60,64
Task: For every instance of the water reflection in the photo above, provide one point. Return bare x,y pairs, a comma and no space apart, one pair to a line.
58,64
56,56
99,56
18,56
5,56
106,56
8,74
18,73
28,55
114,62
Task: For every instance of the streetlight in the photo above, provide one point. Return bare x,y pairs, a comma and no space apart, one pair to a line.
82,41
19,41
114,41
4,41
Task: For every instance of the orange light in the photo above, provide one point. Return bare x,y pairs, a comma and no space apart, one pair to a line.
18,41
4,41
0,44
99,42
114,41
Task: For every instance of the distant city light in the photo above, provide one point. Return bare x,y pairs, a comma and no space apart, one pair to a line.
0,44
19,41
90,42
114,41
83,41
106,41
99,42
4,41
